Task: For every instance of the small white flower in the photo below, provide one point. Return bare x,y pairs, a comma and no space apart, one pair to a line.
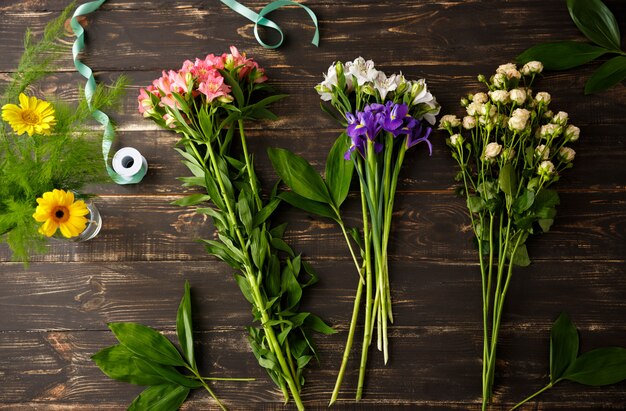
519,119
421,96
509,70
567,154
499,96
492,150
560,118
550,131
449,121
488,110
456,140
518,96
480,98
364,71
509,153
542,152
474,109
385,84
402,84
546,169
499,80
532,67
469,122
543,98
572,133
548,114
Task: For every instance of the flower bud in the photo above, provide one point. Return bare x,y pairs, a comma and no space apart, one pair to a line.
532,67
548,114
464,102
543,98
572,133
567,154
369,90
560,118
480,98
456,140
519,119
449,121
508,154
469,122
474,109
492,150
542,152
170,121
499,96
499,80
482,78
518,96
546,169
550,131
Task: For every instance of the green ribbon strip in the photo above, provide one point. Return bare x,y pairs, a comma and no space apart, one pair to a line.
90,88
260,20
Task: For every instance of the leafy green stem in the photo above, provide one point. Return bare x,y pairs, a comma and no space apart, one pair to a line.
530,397
205,385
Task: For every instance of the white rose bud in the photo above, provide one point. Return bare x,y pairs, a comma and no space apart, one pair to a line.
488,110
560,118
548,114
469,122
546,169
518,96
473,109
480,98
542,152
491,151
519,119
499,96
567,154
499,80
509,154
550,131
449,121
543,98
456,140
509,70
532,67
572,133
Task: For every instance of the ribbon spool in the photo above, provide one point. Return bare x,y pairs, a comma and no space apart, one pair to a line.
129,164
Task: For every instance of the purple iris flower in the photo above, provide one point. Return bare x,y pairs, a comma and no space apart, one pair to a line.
395,115
365,126
419,134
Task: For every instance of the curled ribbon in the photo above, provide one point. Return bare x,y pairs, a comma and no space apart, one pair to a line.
90,88
260,20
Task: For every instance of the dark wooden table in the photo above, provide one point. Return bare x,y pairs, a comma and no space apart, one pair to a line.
54,314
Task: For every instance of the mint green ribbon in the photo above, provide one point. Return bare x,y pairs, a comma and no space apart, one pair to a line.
260,20
90,89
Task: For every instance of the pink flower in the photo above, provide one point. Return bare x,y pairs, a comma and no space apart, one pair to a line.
213,87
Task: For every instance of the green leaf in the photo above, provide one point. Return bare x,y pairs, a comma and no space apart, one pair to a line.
147,343
184,327
164,397
521,257
235,88
299,175
524,201
281,245
243,209
118,363
315,323
561,55
244,286
563,346
265,212
272,277
546,199
310,206
545,224
475,204
339,171
507,180
292,287
595,21
168,372
607,75
190,200
602,366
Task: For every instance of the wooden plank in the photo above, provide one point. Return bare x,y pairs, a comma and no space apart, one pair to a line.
427,227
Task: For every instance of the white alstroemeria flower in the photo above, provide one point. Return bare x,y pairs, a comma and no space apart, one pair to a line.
449,121
532,67
456,140
363,70
499,96
492,150
546,169
480,98
567,154
385,84
518,96
550,131
560,118
543,98
421,95
324,89
572,133
542,152
469,122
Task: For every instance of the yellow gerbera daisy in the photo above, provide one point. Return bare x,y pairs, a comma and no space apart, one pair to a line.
32,116
57,209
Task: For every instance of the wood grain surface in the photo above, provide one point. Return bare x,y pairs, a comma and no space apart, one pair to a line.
53,315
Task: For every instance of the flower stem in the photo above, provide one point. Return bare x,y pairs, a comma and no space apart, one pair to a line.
206,386
249,167
199,377
530,397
